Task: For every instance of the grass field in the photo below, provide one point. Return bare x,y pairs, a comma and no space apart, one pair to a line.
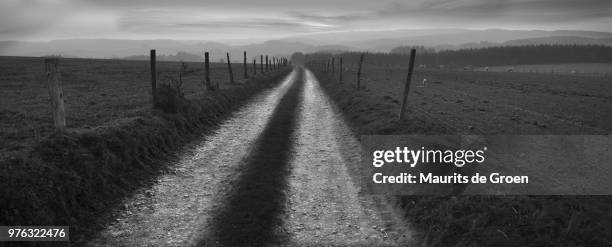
471,102
115,143
590,69
96,92
491,102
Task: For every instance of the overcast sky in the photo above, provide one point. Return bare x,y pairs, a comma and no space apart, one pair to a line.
265,19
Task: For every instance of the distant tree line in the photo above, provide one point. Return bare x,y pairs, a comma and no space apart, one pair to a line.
405,50
491,56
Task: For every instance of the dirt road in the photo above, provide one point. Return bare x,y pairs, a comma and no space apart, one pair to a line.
273,174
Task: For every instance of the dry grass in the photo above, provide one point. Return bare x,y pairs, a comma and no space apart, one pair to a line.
96,92
73,178
491,102
586,69
443,108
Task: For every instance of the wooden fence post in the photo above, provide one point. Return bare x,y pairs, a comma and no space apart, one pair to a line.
359,72
229,67
261,64
254,66
333,66
267,64
153,76
407,85
245,65
207,82
56,93
340,71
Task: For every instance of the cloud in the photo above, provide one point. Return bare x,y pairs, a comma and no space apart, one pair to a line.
22,18
255,23
330,19
535,11
50,19
533,14
222,24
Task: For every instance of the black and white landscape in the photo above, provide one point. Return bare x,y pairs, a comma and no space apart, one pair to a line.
252,123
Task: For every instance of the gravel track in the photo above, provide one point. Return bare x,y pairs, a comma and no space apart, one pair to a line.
272,174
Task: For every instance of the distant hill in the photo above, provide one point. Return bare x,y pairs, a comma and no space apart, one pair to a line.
384,41
499,55
560,40
139,49
332,42
555,40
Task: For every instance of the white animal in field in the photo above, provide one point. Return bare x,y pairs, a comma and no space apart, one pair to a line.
486,68
422,83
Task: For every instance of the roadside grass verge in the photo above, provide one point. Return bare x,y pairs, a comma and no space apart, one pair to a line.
74,178
473,220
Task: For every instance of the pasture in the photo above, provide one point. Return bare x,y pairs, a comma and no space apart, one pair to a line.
478,102
115,141
588,69
96,92
482,102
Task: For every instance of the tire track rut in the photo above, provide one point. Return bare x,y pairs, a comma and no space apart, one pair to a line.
276,173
